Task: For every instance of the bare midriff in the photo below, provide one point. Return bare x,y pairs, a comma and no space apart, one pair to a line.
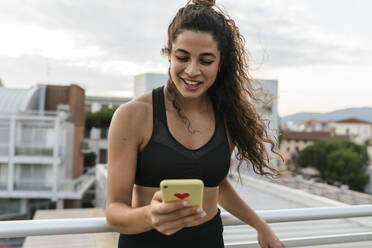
142,196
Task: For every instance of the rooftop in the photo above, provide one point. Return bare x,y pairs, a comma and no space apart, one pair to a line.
91,240
106,98
12,100
263,195
312,136
260,195
354,120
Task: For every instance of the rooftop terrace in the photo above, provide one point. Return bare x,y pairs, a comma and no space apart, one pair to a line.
300,219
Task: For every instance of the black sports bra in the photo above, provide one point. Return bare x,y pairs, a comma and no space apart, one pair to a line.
165,158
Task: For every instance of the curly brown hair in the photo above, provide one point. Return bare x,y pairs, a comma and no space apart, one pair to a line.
232,93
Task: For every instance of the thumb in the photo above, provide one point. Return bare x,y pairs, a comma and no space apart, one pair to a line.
157,196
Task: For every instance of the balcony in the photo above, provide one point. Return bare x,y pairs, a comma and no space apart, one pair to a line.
236,234
299,219
34,151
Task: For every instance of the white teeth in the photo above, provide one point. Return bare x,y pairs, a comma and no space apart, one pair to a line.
191,82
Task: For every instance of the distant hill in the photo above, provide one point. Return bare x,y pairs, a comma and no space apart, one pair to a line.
359,113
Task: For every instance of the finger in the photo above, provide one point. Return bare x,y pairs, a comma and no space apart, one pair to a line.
162,221
157,196
166,208
181,213
186,221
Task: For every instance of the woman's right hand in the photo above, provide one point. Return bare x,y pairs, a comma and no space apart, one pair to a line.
168,218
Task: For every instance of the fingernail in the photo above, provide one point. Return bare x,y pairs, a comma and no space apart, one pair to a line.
184,203
203,214
199,210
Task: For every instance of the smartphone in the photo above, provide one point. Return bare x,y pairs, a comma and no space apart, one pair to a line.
190,190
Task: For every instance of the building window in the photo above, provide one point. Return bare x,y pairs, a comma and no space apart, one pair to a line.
104,133
3,175
102,156
88,107
31,177
104,106
87,133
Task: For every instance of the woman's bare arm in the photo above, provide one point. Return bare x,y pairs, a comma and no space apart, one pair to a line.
124,140
229,199
126,135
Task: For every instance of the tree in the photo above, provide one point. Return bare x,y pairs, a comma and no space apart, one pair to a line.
89,159
339,161
1,83
99,119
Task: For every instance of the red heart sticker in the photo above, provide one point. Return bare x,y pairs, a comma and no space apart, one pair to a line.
181,195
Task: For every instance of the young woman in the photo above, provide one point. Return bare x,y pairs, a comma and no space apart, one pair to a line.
187,129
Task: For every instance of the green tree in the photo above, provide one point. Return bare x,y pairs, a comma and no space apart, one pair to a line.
338,161
1,83
89,159
99,119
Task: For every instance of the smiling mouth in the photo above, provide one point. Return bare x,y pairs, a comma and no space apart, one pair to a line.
191,83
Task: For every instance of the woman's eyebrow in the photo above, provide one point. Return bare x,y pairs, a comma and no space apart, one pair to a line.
202,54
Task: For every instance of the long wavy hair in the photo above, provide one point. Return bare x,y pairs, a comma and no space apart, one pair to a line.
232,93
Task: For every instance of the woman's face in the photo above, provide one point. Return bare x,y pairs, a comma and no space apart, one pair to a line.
194,62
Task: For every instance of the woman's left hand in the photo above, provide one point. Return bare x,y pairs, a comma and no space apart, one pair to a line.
267,239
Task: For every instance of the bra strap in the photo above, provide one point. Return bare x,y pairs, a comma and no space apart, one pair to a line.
158,106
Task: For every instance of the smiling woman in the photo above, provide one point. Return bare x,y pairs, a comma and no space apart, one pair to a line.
194,63
188,129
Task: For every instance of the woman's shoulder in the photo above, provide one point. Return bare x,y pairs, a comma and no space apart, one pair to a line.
138,109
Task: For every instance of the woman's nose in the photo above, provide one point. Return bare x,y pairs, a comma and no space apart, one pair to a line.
192,69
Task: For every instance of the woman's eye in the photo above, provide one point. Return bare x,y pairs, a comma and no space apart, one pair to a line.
206,62
183,59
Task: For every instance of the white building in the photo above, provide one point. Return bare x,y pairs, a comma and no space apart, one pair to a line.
96,138
148,81
359,130
38,152
267,91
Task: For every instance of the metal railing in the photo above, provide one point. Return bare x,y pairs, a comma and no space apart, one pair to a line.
25,228
328,191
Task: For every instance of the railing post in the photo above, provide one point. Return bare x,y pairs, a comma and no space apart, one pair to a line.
11,150
57,127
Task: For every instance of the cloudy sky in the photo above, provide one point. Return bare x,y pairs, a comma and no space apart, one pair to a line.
319,50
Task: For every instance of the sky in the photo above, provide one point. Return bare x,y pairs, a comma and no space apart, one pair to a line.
320,51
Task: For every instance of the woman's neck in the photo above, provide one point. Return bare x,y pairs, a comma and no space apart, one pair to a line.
189,105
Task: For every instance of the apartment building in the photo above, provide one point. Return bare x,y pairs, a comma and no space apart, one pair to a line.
96,139
41,163
360,131
293,142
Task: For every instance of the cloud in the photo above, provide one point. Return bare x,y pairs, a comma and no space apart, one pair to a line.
104,43
29,70
282,37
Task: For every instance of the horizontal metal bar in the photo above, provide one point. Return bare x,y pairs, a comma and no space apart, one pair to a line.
28,117
311,241
95,225
303,214
24,228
